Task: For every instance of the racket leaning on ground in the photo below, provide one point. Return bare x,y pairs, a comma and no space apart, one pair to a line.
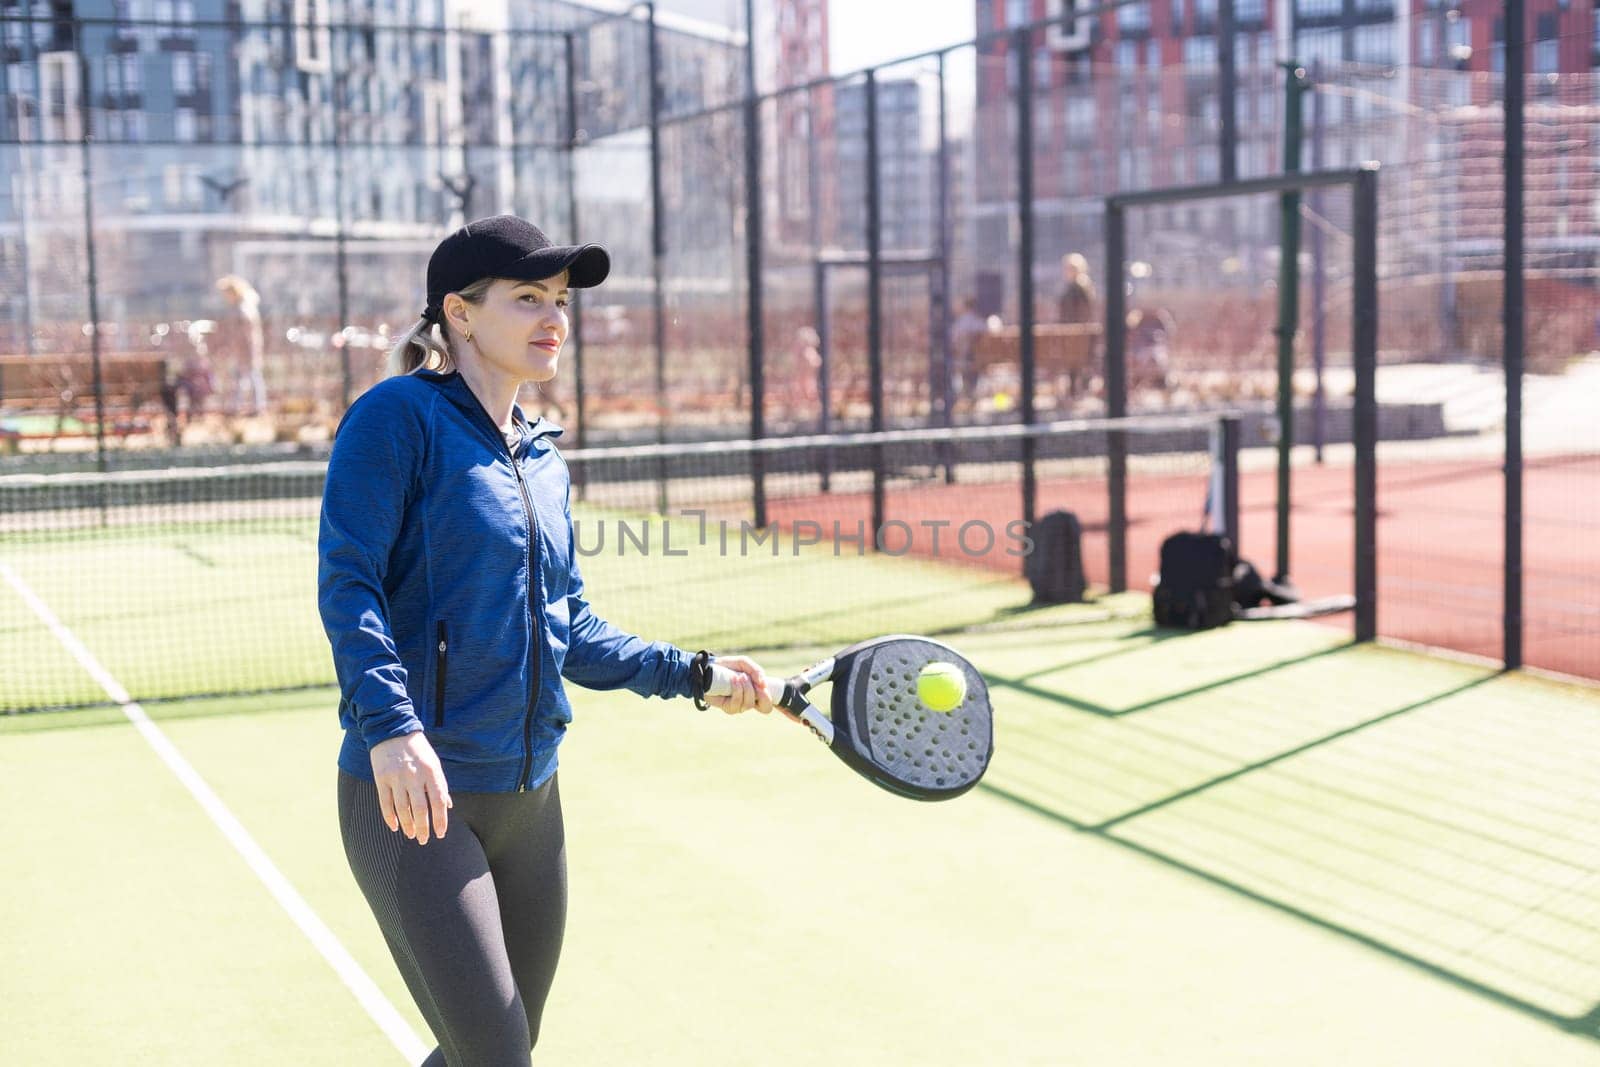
879,723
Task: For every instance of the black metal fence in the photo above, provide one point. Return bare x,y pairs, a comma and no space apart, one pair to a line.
913,245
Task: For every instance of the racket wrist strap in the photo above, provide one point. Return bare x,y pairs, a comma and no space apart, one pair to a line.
700,677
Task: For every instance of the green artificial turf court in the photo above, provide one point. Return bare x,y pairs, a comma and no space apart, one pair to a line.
192,606
1258,845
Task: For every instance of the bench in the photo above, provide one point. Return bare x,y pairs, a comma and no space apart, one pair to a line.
1061,351
64,384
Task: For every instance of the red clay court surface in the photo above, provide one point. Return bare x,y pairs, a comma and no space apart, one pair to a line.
1440,542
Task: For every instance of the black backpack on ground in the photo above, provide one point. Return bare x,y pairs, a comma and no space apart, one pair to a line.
1055,566
1195,588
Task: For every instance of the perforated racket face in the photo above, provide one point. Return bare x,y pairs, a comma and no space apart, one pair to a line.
924,752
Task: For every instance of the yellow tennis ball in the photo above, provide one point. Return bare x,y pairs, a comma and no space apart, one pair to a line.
942,686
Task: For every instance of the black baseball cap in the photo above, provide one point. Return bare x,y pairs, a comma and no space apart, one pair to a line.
506,246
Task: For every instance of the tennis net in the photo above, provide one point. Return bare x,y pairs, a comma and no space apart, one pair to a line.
184,583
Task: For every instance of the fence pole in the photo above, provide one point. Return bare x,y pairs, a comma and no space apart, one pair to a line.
874,302
341,266
1295,85
1227,92
1116,396
84,137
1364,354
754,234
657,249
1022,45
941,343
574,235
1514,339
1319,266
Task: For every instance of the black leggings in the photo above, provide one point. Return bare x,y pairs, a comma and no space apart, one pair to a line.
474,919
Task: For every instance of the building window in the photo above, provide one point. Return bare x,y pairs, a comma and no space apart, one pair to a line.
1324,47
1318,9
1019,12
183,73
1200,52
1080,115
1546,54
1375,44
183,125
1133,18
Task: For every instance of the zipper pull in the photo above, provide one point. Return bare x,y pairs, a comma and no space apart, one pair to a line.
441,645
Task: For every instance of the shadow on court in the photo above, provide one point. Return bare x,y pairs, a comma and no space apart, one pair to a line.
1430,811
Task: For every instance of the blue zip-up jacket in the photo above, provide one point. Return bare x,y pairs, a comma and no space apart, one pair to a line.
450,592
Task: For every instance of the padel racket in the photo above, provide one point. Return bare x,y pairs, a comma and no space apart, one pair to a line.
878,724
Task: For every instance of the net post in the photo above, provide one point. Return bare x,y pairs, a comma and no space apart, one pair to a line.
1364,335
1230,480
753,236
1116,395
825,354
874,301
1514,336
1022,45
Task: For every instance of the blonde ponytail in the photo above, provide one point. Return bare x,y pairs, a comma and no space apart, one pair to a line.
420,348
417,348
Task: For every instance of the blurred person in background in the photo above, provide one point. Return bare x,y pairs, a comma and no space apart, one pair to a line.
238,345
965,330
197,374
1149,337
1075,305
807,362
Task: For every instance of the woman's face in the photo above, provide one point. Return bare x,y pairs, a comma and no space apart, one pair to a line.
520,327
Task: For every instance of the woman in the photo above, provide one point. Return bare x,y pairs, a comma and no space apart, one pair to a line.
239,344
449,589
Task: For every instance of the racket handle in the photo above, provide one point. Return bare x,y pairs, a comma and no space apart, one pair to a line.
722,684
799,709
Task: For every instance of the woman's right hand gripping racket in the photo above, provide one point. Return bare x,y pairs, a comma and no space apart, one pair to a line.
880,724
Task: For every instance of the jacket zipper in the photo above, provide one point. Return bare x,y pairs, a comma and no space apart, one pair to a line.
440,664
533,626
533,588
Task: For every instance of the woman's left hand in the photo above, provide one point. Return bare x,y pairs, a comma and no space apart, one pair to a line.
749,687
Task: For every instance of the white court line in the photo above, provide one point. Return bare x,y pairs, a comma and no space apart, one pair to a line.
366,991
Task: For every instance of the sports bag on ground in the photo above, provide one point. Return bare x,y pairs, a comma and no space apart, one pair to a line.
1195,588
1055,566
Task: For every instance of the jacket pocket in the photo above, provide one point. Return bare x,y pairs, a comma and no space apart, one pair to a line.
441,663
